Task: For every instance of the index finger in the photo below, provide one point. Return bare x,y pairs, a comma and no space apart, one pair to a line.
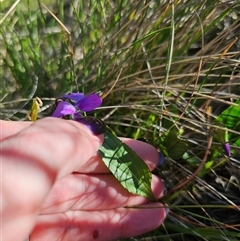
10,128
145,151
94,165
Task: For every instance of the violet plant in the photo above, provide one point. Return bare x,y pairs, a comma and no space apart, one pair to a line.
128,168
74,105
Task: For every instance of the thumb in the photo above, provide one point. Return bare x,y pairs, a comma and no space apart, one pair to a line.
32,160
62,146
9,128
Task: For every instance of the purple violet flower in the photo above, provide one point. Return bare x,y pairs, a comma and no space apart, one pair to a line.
64,108
97,126
75,97
161,159
72,105
78,104
227,149
89,102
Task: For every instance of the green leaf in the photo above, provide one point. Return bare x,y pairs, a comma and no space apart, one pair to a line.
237,142
172,146
192,160
129,169
230,117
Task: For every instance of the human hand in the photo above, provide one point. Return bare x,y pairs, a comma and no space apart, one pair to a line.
56,187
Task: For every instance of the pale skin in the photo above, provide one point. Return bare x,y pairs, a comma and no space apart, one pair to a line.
55,186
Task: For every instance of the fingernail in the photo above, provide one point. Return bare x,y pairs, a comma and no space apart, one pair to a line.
166,208
161,159
167,211
164,185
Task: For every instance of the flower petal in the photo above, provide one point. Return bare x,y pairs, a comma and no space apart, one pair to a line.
77,116
89,102
64,108
97,126
227,149
73,96
161,159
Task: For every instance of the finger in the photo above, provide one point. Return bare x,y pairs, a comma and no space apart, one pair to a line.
145,151
93,192
9,128
95,225
61,146
33,159
94,165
